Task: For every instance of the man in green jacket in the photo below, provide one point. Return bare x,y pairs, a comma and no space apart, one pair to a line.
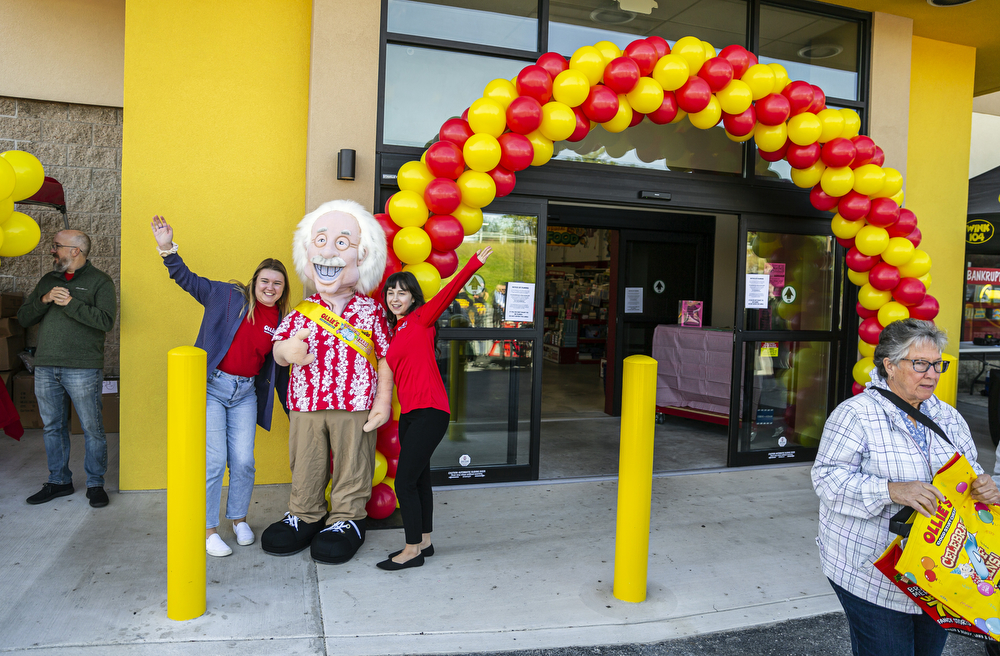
76,305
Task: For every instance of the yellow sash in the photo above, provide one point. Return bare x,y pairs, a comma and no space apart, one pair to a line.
359,340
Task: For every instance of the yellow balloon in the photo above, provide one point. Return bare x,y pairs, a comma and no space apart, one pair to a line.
926,279
810,177
892,311
871,240
20,235
671,71
478,189
898,198
571,87
837,181
542,146
859,278
804,129
833,124
852,123
709,50
865,349
500,90
760,78
411,245
608,51
770,138
391,481
899,251
919,264
708,117
622,119
589,61
735,97
844,228
558,121
868,179
414,176
381,466
471,218
746,137
423,159
862,370
891,185
430,282
646,96
6,208
482,152
487,116
781,78
690,48
407,208
7,179
871,298
28,171
681,115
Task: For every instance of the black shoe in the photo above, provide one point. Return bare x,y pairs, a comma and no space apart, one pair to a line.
426,553
338,542
289,535
49,492
390,565
98,497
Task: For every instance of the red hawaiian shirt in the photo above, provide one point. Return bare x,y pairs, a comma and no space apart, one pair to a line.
339,378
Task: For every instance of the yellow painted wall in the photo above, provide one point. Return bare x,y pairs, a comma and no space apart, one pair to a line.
216,107
937,165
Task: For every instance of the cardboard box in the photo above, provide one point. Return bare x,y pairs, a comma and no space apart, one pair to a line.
9,327
9,304
110,408
8,382
23,394
10,348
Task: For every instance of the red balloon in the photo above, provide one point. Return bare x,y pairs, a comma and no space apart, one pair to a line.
800,96
445,232
442,196
884,212
504,180
694,96
524,114
636,118
661,45
753,59
819,100
865,150
718,72
903,226
582,126
855,390
465,114
535,82
621,74
738,57
858,261
444,159
516,151
822,200
553,63
389,226
883,277
667,111
600,106
776,155
909,292
382,502
455,130
773,109
853,205
387,439
391,465
878,159
643,53
839,152
870,329
802,157
740,125
846,243
446,262
865,313
915,237
926,309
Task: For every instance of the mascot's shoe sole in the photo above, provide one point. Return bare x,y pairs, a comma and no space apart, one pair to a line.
338,542
289,536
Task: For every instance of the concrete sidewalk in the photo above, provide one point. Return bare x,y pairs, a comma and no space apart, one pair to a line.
517,567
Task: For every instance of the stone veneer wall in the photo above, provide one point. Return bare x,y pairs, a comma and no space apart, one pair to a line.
81,147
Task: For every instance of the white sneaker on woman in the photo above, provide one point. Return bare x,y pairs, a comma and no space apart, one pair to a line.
215,546
244,535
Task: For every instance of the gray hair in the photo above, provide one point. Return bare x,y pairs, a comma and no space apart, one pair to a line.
79,240
899,336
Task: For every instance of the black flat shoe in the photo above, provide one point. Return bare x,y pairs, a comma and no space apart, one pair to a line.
426,553
390,565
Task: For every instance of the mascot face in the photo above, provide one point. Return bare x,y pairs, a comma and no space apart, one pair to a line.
333,253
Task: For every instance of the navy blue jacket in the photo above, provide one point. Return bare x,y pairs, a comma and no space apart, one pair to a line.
225,308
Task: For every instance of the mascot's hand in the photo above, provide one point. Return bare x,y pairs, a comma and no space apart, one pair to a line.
379,414
295,350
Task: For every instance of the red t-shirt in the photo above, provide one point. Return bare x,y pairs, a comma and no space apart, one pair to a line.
339,378
251,344
411,354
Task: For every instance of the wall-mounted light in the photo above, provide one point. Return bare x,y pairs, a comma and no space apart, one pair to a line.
345,164
948,3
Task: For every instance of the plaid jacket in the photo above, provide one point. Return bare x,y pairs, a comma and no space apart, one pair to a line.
865,445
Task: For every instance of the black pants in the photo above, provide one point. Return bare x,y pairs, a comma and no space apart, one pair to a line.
420,431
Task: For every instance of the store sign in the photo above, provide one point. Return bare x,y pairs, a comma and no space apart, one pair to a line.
975,276
561,236
978,231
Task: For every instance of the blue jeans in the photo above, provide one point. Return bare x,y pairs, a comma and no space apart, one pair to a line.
878,631
230,428
55,387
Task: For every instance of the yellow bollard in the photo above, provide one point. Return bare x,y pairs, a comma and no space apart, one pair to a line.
947,387
635,477
186,380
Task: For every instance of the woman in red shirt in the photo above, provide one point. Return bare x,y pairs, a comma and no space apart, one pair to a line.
423,402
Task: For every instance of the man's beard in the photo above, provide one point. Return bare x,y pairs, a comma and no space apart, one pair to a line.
60,266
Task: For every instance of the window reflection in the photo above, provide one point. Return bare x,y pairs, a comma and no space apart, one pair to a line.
800,281
510,24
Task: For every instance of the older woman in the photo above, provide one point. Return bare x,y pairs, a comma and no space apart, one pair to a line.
873,459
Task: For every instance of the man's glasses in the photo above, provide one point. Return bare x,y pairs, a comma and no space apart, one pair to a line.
56,246
341,242
921,366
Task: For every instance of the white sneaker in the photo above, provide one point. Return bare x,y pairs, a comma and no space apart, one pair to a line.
244,535
215,546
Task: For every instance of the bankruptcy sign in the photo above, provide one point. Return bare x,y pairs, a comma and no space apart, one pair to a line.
974,276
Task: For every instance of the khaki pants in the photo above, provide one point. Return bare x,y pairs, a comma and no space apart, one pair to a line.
312,436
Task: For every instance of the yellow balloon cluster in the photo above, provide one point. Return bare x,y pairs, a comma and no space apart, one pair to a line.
21,176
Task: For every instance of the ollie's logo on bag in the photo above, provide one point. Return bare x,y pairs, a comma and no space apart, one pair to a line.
934,528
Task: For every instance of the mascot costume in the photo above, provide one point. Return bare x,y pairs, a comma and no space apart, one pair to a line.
340,388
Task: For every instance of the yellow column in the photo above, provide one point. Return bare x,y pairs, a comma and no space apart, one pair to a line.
947,387
635,477
186,375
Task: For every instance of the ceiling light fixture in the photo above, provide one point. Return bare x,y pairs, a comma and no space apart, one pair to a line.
611,16
820,51
948,3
